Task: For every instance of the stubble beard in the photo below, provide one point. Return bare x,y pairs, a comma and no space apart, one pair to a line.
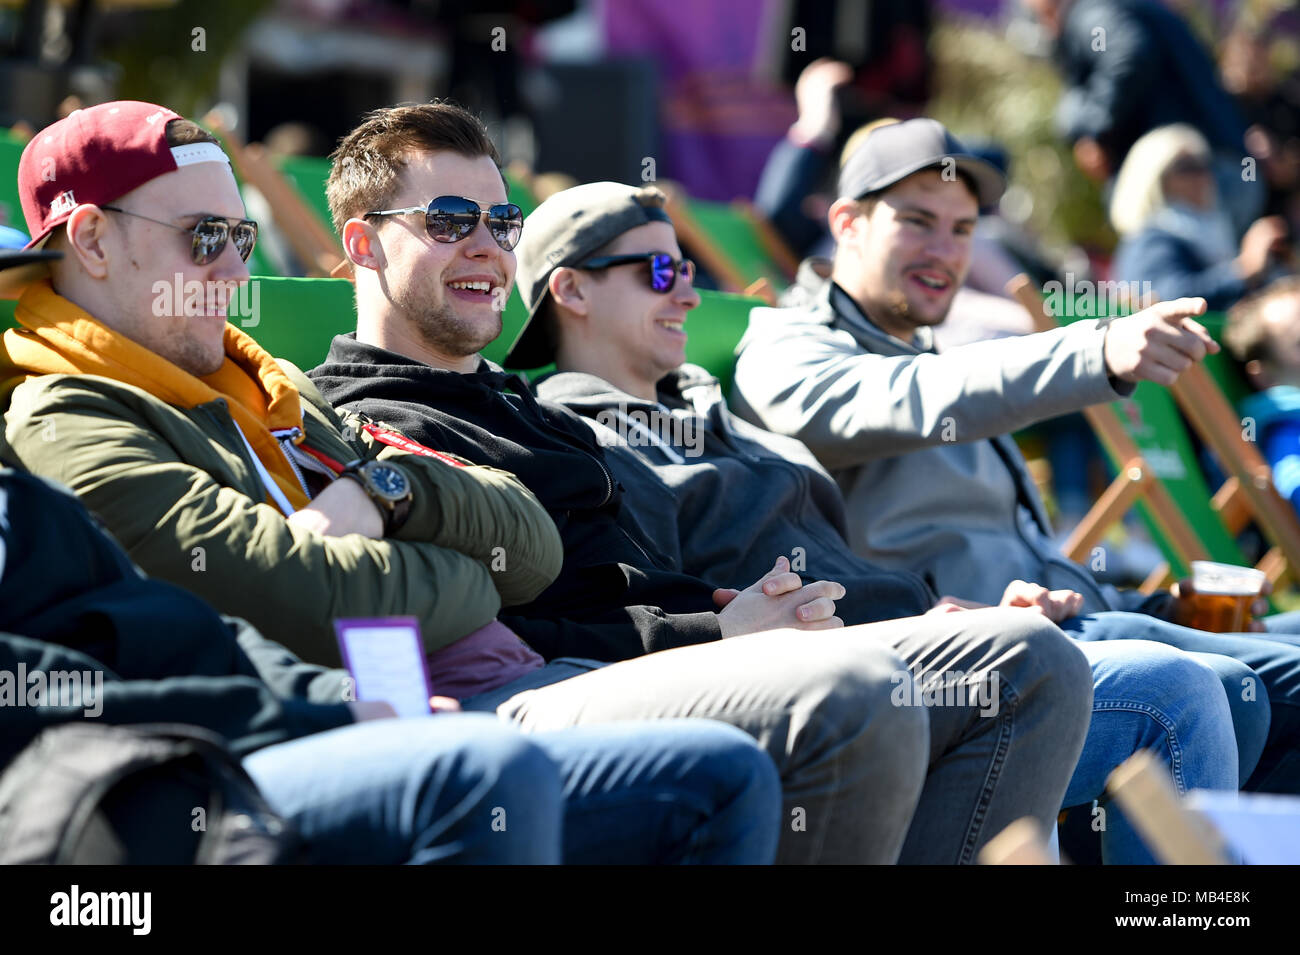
448,333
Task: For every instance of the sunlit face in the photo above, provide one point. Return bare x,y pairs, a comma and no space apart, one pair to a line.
152,292
450,293
631,326
908,256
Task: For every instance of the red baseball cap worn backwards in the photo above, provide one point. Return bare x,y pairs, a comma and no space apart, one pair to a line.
95,156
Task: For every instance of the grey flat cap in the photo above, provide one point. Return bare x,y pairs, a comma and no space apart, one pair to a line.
563,231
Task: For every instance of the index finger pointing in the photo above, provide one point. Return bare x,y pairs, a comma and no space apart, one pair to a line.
1202,333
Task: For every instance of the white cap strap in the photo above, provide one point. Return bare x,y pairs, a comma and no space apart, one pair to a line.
198,152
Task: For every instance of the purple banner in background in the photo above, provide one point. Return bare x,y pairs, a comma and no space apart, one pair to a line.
989,9
722,108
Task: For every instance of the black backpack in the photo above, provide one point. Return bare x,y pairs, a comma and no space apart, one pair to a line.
147,794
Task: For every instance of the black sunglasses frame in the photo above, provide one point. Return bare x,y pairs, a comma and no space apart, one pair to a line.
201,253
441,224
680,267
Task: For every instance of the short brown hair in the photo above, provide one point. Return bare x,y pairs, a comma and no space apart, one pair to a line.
1245,334
186,132
369,160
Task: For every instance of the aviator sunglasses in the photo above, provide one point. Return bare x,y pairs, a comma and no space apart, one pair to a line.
664,269
452,218
210,235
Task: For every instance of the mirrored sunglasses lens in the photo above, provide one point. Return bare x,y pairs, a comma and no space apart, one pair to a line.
451,218
506,224
209,240
662,273
245,237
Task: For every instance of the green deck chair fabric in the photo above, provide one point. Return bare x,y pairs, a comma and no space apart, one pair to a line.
1152,419
296,319
11,210
738,238
1222,368
714,330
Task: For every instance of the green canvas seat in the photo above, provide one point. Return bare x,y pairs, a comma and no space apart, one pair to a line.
1152,420
11,210
296,319
731,231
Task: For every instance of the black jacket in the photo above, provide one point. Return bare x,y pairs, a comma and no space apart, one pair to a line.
724,497
71,600
614,599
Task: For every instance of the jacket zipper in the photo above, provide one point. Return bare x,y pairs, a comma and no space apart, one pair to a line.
286,445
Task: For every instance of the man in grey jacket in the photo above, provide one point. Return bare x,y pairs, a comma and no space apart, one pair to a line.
918,441
603,278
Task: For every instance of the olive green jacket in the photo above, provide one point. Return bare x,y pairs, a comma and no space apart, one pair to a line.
179,491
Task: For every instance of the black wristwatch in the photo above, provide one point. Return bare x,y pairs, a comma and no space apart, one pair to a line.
388,486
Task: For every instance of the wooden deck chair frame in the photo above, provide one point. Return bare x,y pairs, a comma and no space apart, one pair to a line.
717,261
311,240
1249,493
1136,480
1175,835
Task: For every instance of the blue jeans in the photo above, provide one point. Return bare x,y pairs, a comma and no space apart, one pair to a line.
466,788
1267,717
1148,696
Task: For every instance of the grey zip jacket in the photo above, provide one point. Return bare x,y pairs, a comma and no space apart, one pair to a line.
918,441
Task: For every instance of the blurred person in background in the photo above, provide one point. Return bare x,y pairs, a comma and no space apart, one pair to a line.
1175,232
1263,332
1270,105
1130,66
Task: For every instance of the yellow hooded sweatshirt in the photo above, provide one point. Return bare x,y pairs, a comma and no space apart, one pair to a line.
59,337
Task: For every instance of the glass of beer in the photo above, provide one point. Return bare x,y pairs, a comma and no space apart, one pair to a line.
1221,597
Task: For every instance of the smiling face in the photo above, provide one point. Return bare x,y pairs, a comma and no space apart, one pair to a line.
905,258
438,302
617,327
117,265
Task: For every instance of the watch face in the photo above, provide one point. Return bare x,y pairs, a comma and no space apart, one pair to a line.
388,481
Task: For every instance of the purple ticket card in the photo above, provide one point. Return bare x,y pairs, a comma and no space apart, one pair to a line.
385,656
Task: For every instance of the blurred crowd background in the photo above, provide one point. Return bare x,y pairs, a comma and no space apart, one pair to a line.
594,88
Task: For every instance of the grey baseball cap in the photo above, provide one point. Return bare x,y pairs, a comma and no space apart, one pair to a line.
563,231
892,153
